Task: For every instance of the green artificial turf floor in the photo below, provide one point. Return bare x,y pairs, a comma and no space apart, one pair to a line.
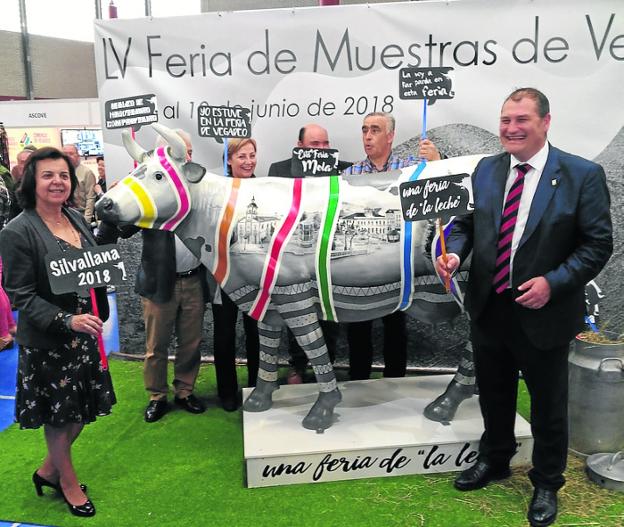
188,470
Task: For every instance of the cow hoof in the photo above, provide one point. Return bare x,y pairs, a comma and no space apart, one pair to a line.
443,409
261,398
321,415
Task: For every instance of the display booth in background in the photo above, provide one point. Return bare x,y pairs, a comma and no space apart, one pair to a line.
54,122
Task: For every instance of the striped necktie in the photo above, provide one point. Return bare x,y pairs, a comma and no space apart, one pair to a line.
505,235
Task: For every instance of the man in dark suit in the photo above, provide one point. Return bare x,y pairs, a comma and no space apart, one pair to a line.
541,230
310,136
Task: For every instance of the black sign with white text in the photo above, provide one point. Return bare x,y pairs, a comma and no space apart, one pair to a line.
132,112
425,83
439,197
233,122
78,270
308,162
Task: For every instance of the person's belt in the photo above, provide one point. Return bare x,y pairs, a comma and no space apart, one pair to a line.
186,274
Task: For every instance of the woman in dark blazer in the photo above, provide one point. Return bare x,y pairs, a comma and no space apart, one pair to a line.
61,384
241,163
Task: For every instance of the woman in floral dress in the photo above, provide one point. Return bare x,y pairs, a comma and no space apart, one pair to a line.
61,384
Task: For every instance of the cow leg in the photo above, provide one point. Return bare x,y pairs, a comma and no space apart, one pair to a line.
307,331
261,398
461,387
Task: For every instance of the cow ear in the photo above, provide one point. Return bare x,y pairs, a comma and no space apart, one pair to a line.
193,172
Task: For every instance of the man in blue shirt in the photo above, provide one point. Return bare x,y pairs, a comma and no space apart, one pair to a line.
377,137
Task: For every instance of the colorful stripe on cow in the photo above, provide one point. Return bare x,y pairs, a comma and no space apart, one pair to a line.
143,199
276,249
323,249
180,189
221,270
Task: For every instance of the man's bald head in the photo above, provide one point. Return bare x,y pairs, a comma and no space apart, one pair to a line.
313,136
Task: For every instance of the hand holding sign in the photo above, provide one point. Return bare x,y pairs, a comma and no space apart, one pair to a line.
446,267
427,150
439,197
79,271
87,323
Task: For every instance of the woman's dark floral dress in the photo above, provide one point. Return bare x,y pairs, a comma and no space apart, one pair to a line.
63,385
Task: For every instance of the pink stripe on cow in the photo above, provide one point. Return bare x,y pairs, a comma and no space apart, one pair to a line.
180,187
275,251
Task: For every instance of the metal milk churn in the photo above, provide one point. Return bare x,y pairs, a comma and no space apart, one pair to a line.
596,396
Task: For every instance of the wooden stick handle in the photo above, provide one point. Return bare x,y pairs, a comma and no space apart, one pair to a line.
447,280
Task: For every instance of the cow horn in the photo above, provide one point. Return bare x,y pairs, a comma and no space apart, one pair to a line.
133,148
176,143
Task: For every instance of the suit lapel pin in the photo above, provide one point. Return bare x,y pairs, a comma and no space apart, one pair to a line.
553,182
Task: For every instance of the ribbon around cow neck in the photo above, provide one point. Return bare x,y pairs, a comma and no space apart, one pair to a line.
407,267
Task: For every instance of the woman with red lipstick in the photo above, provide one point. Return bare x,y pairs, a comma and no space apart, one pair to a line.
61,384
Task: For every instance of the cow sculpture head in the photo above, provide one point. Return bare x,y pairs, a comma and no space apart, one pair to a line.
155,195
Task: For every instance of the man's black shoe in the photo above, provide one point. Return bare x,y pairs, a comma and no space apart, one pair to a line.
155,410
191,404
230,404
479,475
543,508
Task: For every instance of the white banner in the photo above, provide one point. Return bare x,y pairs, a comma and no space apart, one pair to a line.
334,65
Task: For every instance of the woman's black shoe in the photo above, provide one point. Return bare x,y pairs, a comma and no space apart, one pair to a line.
86,509
42,482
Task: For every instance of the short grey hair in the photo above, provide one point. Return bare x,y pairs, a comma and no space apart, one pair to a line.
387,116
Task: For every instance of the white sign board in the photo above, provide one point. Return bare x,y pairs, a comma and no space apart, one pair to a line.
332,66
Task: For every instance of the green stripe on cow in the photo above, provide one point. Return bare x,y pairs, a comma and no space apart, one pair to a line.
324,260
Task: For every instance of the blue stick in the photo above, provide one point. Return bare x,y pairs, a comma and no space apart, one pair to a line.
225,156
423,135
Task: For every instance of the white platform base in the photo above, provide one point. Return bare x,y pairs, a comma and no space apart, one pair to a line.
379,431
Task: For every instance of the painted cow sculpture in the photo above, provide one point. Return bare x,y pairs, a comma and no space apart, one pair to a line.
291,251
